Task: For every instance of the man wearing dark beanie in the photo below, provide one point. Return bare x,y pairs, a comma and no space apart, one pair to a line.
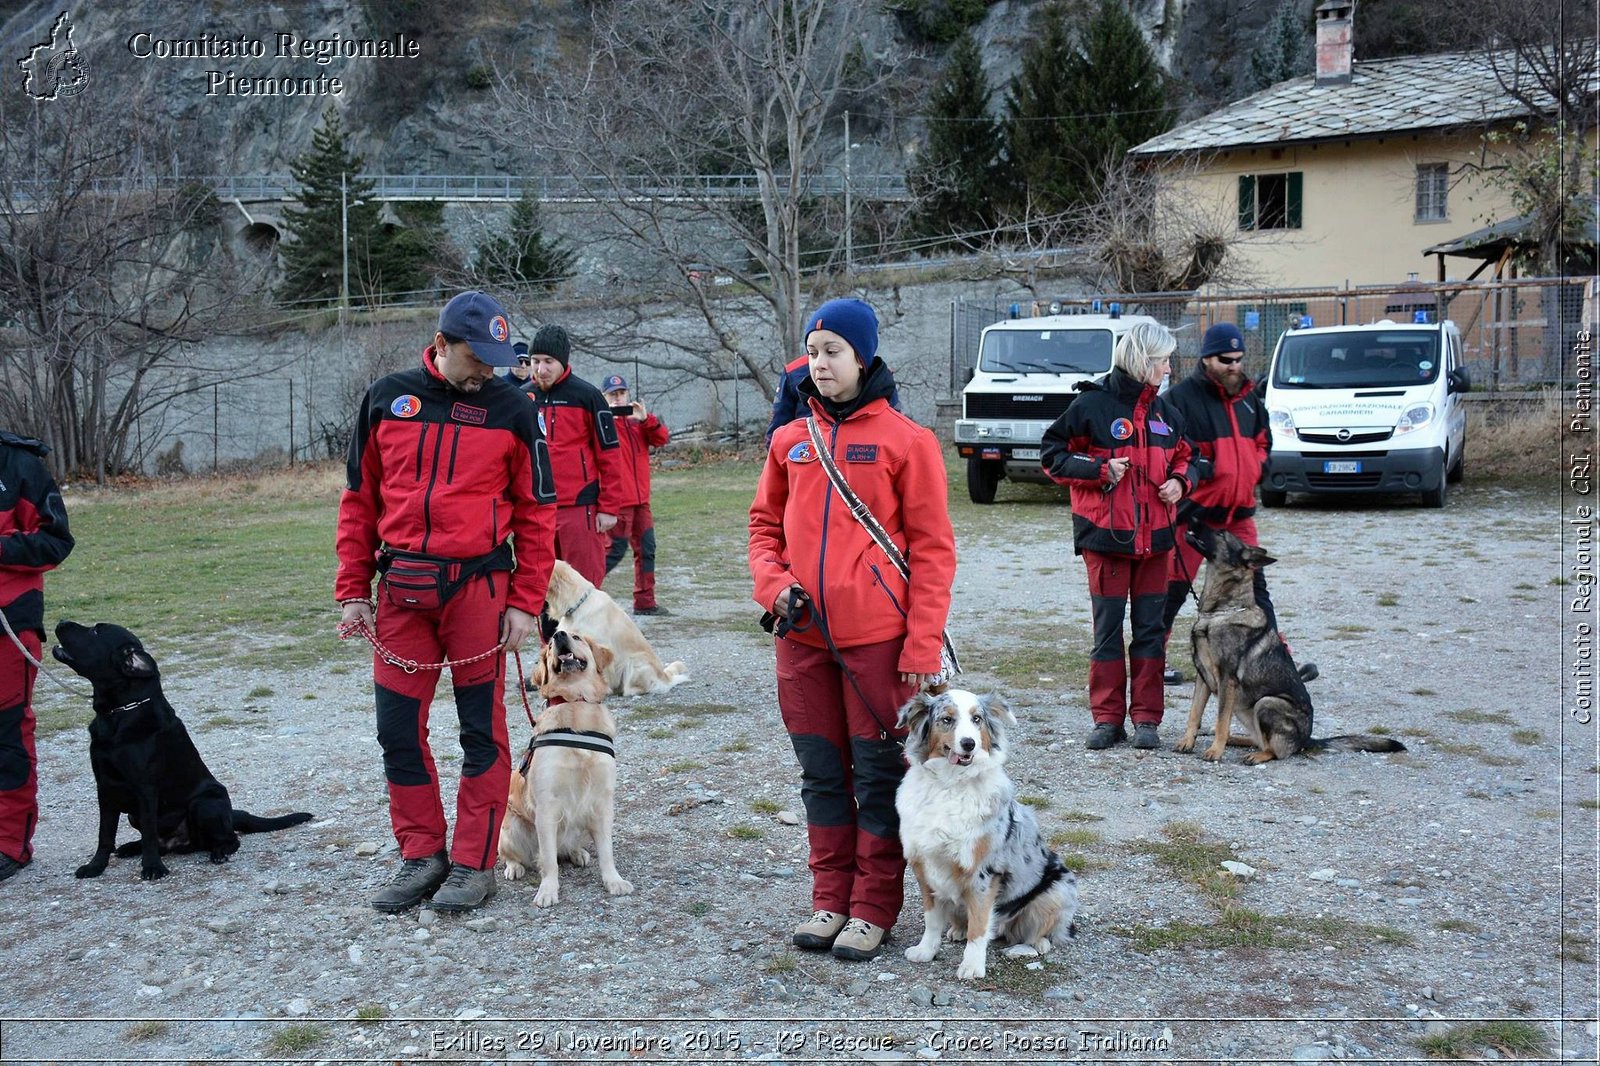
584,453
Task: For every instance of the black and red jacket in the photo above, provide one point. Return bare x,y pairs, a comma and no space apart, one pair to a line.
585,452
1231,436
637,440
1114,417
450,474
33,530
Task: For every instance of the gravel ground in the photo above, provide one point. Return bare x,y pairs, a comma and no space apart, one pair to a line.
1399,893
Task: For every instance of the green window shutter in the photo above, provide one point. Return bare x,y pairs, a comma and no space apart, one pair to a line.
1296,186
1247,201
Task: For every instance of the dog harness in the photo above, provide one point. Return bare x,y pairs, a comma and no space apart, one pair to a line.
587,739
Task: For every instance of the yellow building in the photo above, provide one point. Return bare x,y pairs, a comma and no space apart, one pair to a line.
1348,175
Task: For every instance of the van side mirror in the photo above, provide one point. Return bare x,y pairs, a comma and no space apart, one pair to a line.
971,371
1458,381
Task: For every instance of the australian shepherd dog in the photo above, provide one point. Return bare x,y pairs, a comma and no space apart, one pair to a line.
977,852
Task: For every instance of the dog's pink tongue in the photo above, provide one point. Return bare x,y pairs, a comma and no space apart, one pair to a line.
955,757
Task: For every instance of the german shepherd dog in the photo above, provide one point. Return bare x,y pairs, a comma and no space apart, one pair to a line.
1240,657
978,855
145,764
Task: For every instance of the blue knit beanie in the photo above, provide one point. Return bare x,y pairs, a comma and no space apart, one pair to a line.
853,320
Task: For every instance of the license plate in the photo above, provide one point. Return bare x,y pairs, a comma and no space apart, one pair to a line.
1342,466
1024,453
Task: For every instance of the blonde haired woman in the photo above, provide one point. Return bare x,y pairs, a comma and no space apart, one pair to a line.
1120,449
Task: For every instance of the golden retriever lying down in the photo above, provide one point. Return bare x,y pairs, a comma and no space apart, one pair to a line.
578,607
567,797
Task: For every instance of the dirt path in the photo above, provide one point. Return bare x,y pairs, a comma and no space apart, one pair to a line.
1390,892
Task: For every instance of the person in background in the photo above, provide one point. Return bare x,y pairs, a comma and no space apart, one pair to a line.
34,539
1120,449
639,431
446,474
1226,422
521,372
585,453
853,640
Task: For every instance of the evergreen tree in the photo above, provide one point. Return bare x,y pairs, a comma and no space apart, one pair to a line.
1035,128
956,178
1116,98
313,261
1285,50
527,256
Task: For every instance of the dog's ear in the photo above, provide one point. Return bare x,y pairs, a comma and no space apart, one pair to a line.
538,673
603,655
995,706
1256,558
916,710
135,662
547,627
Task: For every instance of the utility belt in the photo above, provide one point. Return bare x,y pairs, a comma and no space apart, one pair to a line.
420,582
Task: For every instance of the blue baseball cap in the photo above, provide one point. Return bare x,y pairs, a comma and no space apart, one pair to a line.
613,383
478,319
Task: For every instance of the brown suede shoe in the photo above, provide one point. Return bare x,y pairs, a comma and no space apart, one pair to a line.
859,941
818,931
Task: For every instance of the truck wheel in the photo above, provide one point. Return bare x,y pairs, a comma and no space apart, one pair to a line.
983,477
1273,498
1434,498
1459,470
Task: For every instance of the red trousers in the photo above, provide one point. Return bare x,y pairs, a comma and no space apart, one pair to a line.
19,778
579,543
467,625
636,528
850,766
1133,688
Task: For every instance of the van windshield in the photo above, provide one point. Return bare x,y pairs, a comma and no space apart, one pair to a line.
1046,351
1356,360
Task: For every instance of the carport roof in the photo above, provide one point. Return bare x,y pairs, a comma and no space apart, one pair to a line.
1383,96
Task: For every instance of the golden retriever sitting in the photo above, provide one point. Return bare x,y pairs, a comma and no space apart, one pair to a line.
567,795
576,606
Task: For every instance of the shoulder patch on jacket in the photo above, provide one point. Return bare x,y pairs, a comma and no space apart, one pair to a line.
407,406
861,453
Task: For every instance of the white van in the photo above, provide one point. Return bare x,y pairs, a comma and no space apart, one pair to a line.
1373,408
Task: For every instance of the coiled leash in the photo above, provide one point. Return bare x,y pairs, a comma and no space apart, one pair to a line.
359,626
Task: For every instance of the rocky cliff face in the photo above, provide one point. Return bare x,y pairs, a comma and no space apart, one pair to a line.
198,65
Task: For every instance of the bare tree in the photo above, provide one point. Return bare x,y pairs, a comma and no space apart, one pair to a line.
739,92
107,279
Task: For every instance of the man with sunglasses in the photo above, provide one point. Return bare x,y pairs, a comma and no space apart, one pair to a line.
1227,423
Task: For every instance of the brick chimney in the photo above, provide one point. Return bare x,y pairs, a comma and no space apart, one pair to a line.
1335,41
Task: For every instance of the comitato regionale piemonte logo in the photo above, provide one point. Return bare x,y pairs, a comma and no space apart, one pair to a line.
53,68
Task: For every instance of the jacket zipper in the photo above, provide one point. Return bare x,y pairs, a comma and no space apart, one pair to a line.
455,444
427,496
827,508
885,586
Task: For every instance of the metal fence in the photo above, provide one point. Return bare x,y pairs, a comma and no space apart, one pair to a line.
1515,334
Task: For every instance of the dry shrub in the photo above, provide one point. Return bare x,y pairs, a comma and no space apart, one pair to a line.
1520,442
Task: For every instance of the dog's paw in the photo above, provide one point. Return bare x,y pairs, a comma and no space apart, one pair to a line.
579,857
619,887
154,872
1044,945
1256,758
1213,754
93,868
970,971
918,953
515,870
1185,745
548,894
219,857
955,935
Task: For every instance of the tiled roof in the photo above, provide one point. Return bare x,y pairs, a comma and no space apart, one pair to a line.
1383,96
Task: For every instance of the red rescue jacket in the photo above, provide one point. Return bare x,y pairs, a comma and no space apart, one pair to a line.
446,473
1115,417
33,530
1232,435
800,531
585,451
637,439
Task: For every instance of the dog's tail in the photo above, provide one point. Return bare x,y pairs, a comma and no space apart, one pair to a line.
1355,742
245,822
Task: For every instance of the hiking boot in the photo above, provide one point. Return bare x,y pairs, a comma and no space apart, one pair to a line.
1169,676
1309,672
651,610
465,889
412,883
859,941
1145,736
1105,734
817,932
9,866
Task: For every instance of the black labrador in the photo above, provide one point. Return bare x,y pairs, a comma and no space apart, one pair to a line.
145,764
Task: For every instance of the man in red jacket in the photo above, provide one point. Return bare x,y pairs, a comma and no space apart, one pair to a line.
446,469
640,431
585,454
33,539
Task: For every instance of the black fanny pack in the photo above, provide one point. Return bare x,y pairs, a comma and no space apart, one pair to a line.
420,582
